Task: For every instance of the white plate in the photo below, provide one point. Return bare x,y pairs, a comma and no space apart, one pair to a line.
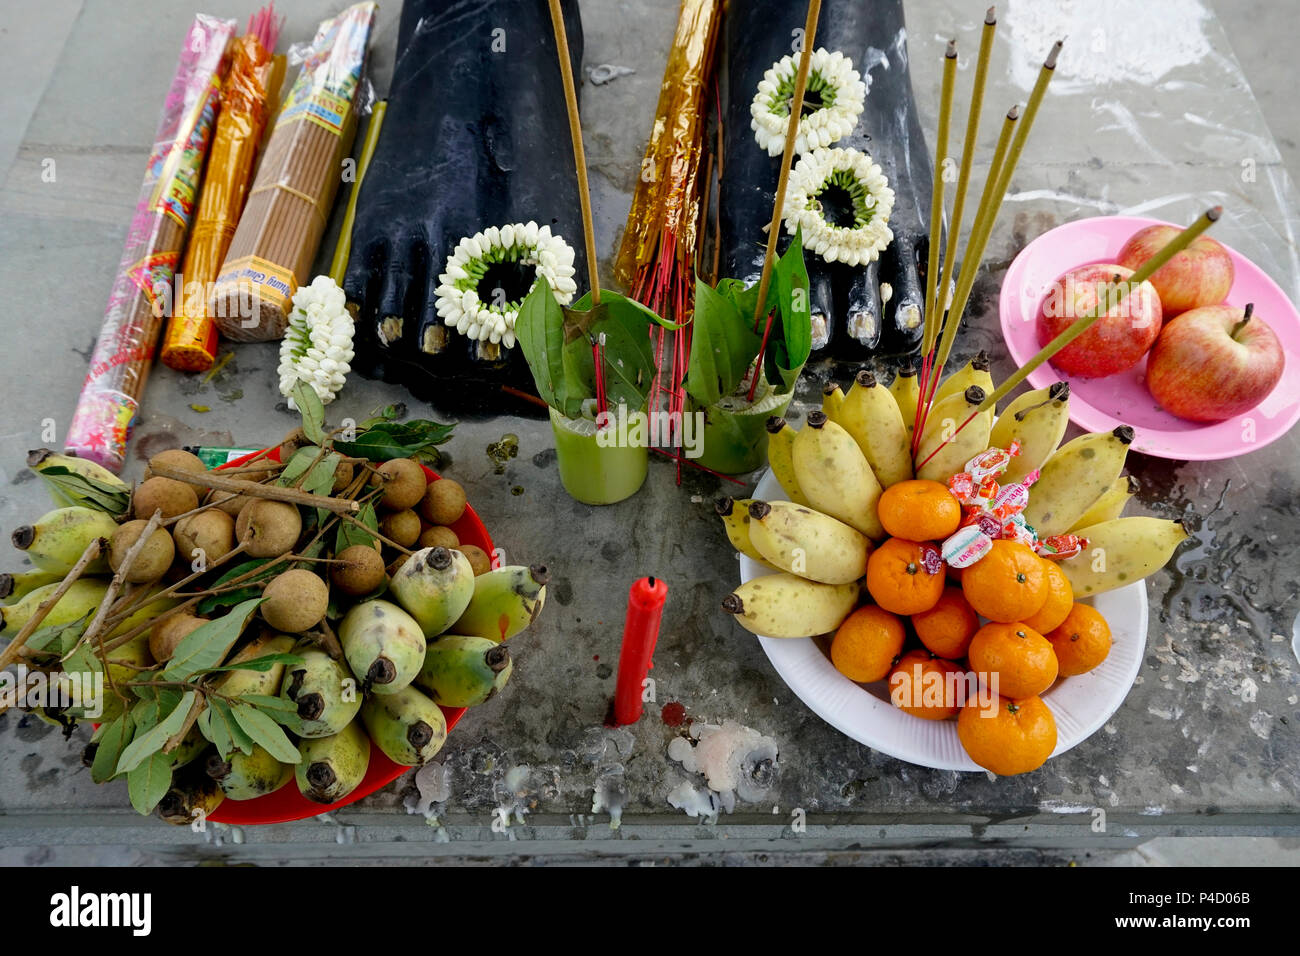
1081,705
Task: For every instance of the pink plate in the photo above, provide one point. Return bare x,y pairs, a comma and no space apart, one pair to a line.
1100,404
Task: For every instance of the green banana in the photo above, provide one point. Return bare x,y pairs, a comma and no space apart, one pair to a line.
907,392
940,458
1074,478
1120,552
82,597
332,767
248,776
735,520
870,414
325,692
506,601
461,671
835,476
434,586
974,372
1037,420
780,452
57,539
808,543
73,482
407,726
193,795
1110,505
832,401
383,644
243,683
785,605
14,587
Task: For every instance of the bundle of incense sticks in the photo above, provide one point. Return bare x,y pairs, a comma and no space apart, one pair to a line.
279,233
140,298
657,258
249,93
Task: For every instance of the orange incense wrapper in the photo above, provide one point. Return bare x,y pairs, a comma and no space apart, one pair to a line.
251,87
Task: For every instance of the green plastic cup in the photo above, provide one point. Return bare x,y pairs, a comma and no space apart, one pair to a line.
601,469
735,432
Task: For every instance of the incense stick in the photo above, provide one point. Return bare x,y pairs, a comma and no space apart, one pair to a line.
936,197
929,381
975,245
791,134
579,155
1080,325
963,177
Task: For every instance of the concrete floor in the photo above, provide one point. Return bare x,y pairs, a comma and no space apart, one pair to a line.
29,52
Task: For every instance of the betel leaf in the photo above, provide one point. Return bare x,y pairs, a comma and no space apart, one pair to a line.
259,664
627,348
150,741
207,645
349,534
790,342
219,726
723,346
149,782
114,737
266,733
312,411
562,378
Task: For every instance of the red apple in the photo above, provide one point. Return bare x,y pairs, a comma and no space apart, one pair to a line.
1214,363
1199,275
1117,340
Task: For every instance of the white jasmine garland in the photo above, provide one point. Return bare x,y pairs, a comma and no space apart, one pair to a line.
525,243
317,346
831,78
868,191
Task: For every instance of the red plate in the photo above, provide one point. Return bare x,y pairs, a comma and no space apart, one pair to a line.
288,803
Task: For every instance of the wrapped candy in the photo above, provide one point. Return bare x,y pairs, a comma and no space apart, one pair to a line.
965,546
931,559
1058,547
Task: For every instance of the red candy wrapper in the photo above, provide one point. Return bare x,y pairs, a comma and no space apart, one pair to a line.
931,559
1058,547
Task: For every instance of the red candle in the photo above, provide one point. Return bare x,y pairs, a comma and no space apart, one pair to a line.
645,610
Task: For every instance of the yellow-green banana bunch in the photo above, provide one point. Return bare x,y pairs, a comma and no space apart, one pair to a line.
735,521
1037,420
464,671
407,726
332,767
74,482
57,540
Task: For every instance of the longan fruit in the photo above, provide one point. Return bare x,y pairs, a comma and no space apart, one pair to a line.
167,634
170,496
177,459
272,527
478,558
396,564
343,476
362,572
439,537
403,527
296,600
154,558
443,502
231,504
403,481
212,531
